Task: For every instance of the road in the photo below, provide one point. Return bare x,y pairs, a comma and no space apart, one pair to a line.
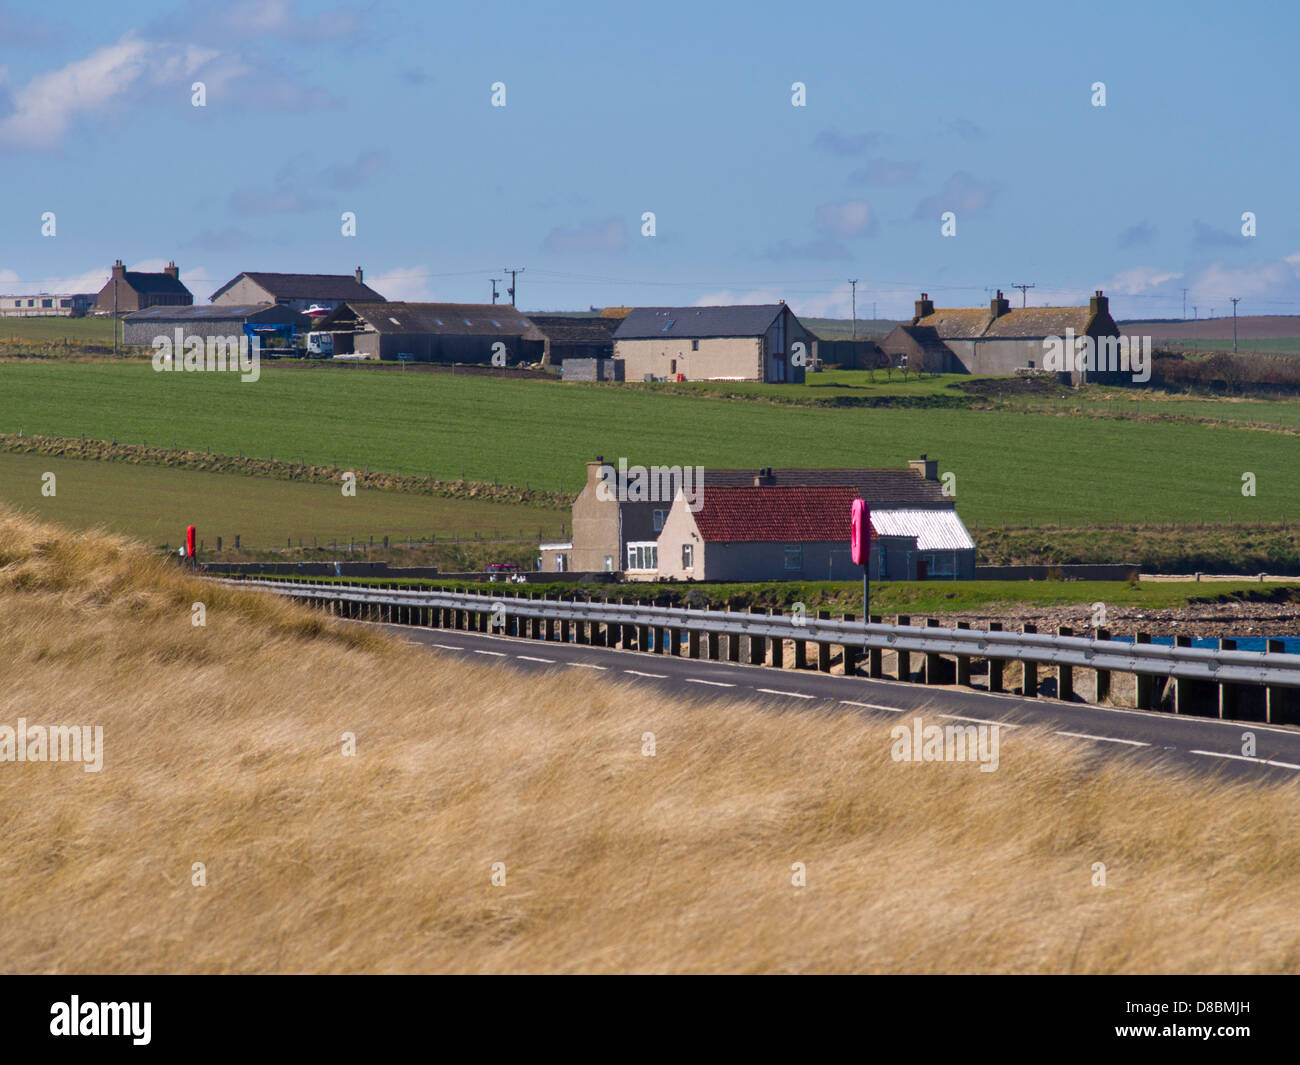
1202,744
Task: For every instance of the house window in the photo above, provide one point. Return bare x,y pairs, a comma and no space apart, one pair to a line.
794,556
669,324
609,563
672,368
695,345
561,563
643,556
688,556
660,516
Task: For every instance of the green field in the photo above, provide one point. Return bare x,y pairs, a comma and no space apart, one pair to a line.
84,330
154,504
1010,467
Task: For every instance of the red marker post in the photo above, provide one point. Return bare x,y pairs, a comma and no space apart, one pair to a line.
860,549
189,544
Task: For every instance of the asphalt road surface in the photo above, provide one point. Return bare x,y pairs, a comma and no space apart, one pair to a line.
1203,744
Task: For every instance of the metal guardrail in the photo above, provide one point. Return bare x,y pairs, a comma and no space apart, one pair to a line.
1178,663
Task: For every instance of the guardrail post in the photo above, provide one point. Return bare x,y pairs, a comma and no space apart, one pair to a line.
757,655
875,656
1064,673
823,649
1193,696
713,646
642,632
1279,701
1227,692
995,664
693,643
1029,686
1101,689
778,643
963,661
800,653
599,634
1144,680
565,629
675,642
904,657
933,660
581,628
851,651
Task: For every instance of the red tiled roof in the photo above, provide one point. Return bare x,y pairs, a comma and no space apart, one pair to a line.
763,514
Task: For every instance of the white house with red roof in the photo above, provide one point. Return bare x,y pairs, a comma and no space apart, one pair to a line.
764,533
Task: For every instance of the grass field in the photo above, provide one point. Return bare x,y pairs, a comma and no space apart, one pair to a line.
226,745
1009,468
154,504
85,330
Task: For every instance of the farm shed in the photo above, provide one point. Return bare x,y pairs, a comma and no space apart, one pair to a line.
575,337
141,327
434,332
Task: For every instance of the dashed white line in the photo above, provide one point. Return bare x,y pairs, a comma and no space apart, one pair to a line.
873,706
711,683
978,720
531,658
638,673
1246,758
494,654
448,647
792,695
584,665
1101,739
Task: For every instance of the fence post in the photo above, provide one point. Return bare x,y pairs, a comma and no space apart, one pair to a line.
1101,693
1029,687
1064,673
963,661
1144,686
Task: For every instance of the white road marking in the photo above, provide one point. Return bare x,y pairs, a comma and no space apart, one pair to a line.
1101,739
494,654
711,683
1246,758
978,720
638,673
874,706
792,695
530,658
584,665
448,647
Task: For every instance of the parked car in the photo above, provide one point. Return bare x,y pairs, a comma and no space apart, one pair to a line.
506,571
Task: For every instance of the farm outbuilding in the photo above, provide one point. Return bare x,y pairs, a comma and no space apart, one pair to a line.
434,332
268,320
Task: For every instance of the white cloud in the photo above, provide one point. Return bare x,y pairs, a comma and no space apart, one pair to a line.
1273,279
1139,280
404,283
849,218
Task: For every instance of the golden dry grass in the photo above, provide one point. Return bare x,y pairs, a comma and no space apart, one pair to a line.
223,746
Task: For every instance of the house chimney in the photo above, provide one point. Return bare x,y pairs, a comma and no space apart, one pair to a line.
924,307
927,468
1099,304
119,271
764,477
593,469
358,275
172,272
998,306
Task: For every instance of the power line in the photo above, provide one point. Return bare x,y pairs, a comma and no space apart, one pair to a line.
511,290
1023,291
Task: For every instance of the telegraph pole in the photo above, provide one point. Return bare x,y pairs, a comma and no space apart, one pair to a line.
511,290
1235,301
854,282
1184,305
1023,290
495,281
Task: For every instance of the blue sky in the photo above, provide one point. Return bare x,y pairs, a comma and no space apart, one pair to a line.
384,109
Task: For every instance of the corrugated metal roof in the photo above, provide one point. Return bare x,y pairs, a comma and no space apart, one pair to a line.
935,530
219,312
644,323
459,319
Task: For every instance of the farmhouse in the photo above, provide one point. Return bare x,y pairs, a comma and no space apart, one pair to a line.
132,290
47,305
299,291
740,343
276,325
1000,341
919,532
434,332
